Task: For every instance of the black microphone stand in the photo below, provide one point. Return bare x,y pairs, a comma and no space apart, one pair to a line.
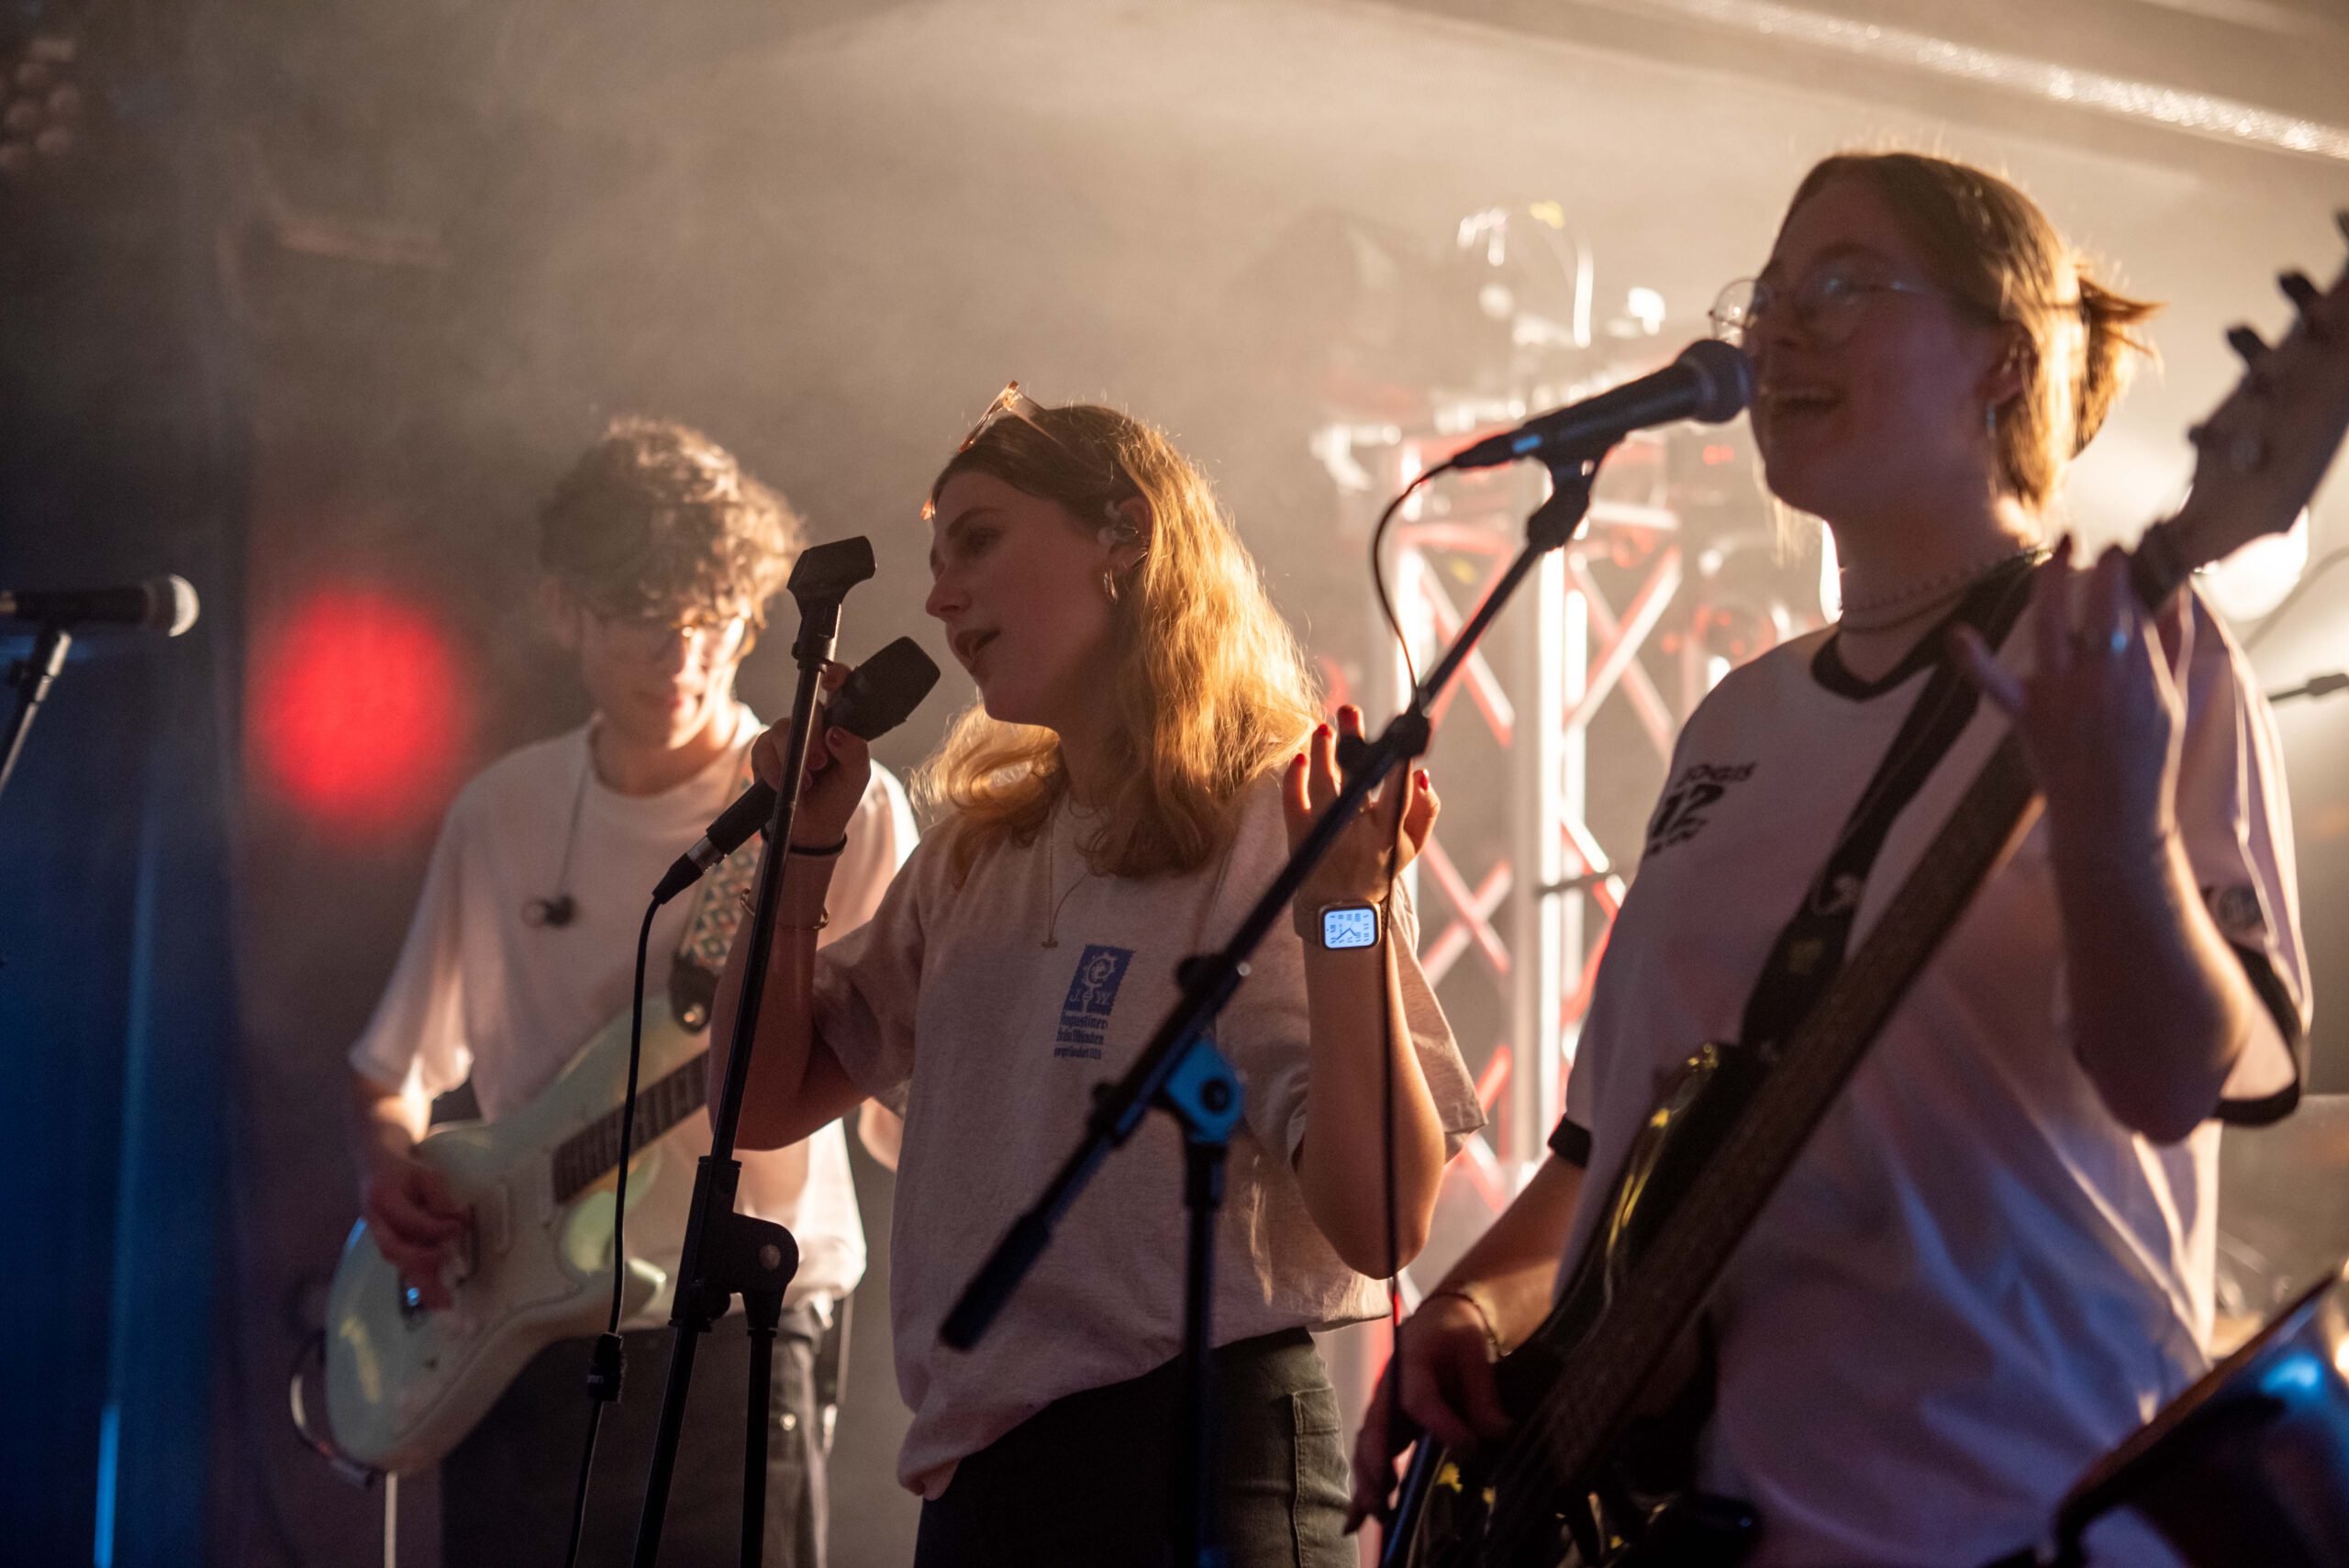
30,678
727,1255
1181,1071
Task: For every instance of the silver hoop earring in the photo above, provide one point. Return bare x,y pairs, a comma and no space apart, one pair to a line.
1109,585
1990,420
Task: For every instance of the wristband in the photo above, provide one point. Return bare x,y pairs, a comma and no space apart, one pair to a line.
821,851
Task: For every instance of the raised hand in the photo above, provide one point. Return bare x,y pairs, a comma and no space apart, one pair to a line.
2098,716
1359,865
839,766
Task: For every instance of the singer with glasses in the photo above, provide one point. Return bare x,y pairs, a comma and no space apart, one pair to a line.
1993,1259
1142,754
661,554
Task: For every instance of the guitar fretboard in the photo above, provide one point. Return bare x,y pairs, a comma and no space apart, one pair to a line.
594,1150
1658,1298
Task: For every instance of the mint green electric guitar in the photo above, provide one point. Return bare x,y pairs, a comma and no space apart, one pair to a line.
404,1386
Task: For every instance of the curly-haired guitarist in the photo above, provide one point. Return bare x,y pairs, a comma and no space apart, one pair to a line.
661,554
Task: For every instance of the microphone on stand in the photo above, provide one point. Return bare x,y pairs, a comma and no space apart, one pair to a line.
875,699
1711,381
166,604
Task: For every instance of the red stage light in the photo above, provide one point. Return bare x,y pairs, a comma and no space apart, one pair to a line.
358,715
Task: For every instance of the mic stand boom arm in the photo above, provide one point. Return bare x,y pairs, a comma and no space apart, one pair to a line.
1180,1071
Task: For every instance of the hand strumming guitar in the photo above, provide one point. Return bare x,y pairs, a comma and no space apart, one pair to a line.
407,1205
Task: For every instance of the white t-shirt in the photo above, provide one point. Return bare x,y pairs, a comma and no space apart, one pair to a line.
480,994
1975,1280
947,1004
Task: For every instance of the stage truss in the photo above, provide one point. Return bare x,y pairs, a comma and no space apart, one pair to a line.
1517,900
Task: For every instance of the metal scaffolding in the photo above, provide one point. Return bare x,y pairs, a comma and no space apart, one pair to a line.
1523,894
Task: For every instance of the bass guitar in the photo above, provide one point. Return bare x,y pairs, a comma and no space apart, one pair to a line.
1589,1473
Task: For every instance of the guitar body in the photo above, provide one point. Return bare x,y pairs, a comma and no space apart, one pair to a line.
1638,1508
404,1386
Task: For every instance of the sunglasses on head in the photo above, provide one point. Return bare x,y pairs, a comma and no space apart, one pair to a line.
1013,404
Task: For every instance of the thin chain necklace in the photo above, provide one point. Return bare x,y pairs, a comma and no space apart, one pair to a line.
1053,920
1881,612
560,908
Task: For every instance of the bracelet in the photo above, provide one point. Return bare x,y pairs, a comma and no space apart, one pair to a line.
820,851
1474,1298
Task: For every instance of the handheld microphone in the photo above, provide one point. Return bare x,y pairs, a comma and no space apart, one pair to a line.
1710,383
166,604
875,699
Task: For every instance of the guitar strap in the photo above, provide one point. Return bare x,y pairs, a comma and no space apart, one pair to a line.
1804,959
716,915
1657,1456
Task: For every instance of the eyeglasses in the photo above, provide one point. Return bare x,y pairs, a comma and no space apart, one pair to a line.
1013,404
1825,302
646,638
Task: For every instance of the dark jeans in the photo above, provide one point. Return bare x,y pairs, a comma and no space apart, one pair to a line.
1089,1480
506,1491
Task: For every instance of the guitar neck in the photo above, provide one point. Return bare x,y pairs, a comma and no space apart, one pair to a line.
594,1152
1658,1297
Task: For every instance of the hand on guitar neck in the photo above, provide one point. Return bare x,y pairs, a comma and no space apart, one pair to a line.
2162,1012
2099,715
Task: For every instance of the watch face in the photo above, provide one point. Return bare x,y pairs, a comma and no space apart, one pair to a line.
1355,926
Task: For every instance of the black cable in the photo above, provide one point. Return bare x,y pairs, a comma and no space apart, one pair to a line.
2267,621
236,1171
587,1474
1386,993
628,1109
605,1371
1387,1111
1378,571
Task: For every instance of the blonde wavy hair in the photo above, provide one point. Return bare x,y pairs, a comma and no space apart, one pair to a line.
1205,683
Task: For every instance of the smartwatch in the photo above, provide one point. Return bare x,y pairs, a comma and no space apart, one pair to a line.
1347,926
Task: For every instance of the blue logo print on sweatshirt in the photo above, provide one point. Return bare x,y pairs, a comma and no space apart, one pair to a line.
1091,996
